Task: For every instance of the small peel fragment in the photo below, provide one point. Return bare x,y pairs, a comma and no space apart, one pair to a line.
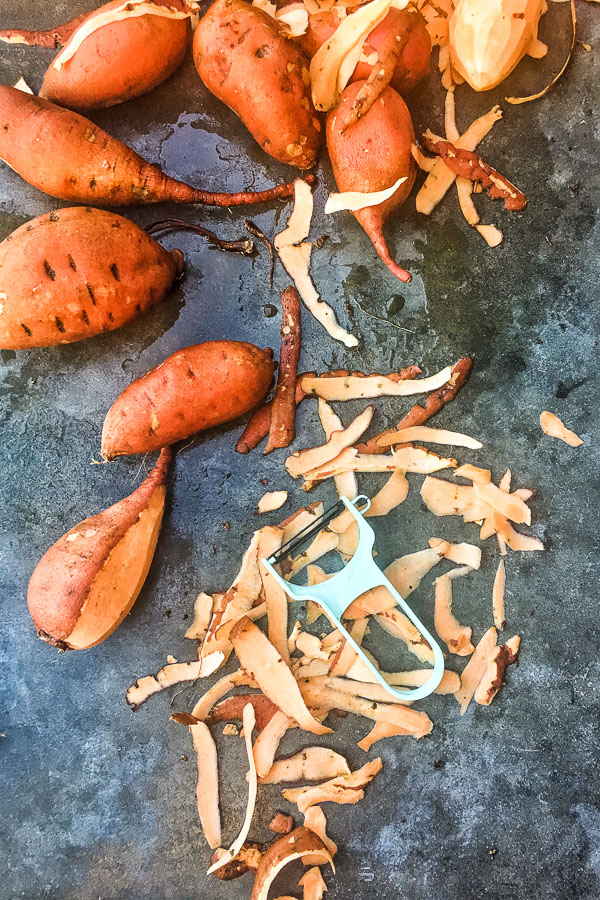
248,720
267,742
475,668
554,427
270,501
203,606
315,820
312,884
493,677
355,200
498,596
457,637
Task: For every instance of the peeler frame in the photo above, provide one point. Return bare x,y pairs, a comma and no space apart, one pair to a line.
361,574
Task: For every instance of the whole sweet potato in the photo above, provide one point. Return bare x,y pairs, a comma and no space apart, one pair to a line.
114,53
401,29
192,390
244,59
371,156
65,155
87,582
75,273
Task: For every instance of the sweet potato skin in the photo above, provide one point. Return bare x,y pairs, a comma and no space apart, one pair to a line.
194,389
76,273
118,62
244,59
63,578
413,64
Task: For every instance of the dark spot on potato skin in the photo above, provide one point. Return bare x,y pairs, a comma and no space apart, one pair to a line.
115,272
261,52
111,318
54,217
90,292
138,307
93,184
60,324
27,330
49,270
71,262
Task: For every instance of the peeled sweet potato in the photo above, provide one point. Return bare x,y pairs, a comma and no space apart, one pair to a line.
65,155
78,272
245,60
400,28
113,53
87,582
372,155
192,390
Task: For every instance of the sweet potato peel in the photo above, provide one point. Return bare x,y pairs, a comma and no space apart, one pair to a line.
248,722
475,668
282,428
456,637
419,414
301,843
260,659
343,789
553,427
468,164
493,676
207,788
310,764
312,884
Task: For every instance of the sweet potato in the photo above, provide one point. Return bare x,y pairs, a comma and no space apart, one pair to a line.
414,45
372,155
78,272
114,53
87,582
65,155
119,52
244,59
193,389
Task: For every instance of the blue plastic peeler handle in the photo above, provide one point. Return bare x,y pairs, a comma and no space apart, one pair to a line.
362,574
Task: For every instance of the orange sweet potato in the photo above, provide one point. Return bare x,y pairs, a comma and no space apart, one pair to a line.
114,53
245,60
121,58
401,28
192,390
87,582
65,155
78,272
371,156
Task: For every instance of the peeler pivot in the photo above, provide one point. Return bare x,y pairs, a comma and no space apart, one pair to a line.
360,574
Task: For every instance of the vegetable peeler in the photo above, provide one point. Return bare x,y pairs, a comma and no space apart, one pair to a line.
360,574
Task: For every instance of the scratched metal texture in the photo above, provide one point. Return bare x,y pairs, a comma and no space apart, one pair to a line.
98,802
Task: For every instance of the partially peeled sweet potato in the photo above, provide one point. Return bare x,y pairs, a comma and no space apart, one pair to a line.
372,155
87,582
118,53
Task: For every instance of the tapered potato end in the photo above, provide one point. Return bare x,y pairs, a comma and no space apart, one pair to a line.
87,582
